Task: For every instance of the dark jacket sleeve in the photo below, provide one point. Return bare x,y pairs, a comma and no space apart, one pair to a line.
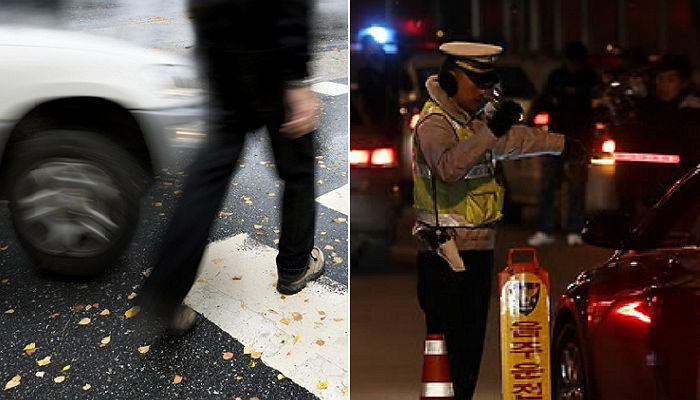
292,27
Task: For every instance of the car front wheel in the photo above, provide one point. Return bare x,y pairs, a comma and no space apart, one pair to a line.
568,373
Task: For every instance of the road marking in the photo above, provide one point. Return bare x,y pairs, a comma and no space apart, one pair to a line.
329,88
337,199
308,350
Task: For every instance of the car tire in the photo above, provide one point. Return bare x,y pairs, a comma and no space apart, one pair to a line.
74,200
568,370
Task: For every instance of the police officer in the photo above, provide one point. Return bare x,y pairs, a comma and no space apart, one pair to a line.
457,198
254,81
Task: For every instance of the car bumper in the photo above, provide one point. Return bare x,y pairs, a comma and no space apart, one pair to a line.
167,130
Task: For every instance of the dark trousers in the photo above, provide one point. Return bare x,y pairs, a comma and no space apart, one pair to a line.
456,304
237,108
553,170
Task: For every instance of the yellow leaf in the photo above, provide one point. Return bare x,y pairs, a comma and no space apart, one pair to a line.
276,230
322,385
320,342
30,346
13,382
321,313
131,296
225,213
10,311
66,368
202,280
227,355
345,390
275,241
106,340
337,260
296,339
280,377
251,364
257,226
238,378
217,260
320,181
40,374
5,281
143,349
248,349
272,194
104,312
297,316
59,379
328,247
337,319
177,379
284,321
339,220
87,386
255,355
132,312
88,307
323,233
54,315
158,204
44,361
236,278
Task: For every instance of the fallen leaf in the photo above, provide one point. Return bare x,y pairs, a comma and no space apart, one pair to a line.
297,316
238,378
272,194
177,192
158,204
321,313
84,321
66,368
143,349
320,342
284,321
275,241
225,213
236,278
322,385
10,311
255,354
328,247
54,315
251,364
320,181
202,280
217,260
337,260
276,230
44,361
337,319
13,382
283,297
5,281
104,312
339,220
87,386
280,377
77,308
106,340
4,248
131,296
177,379
132,312
248,349
254,398
96,305
227,355
59,379
296,339
40,374
323,233
257,226
345,390
30,346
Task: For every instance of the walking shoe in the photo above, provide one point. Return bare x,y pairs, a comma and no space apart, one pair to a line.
314,269
574,239
540,238
182,320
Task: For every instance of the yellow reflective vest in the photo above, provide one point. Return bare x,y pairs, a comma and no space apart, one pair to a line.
476,200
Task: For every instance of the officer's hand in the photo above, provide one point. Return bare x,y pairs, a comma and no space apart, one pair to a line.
574,151
508,114
302,112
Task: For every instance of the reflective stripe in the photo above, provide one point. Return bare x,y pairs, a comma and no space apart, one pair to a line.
435,348
438,389
480,171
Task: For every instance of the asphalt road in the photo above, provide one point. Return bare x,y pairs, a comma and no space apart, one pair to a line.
281,347
388,327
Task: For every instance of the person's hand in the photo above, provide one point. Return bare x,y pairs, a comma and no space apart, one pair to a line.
507,115
574,151
302,112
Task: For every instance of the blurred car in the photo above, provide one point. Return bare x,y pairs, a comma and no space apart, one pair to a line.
84,122
630,328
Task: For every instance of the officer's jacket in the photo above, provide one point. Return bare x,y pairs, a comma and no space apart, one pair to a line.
451,157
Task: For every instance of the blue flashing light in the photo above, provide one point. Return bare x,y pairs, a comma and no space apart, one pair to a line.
380,34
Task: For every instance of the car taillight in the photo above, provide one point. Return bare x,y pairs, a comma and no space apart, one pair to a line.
541,119
359,157
648,158
385,157
414,121
634,310
609,146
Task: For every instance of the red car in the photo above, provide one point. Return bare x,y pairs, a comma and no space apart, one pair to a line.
630,329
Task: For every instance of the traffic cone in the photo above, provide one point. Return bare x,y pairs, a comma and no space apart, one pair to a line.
437,380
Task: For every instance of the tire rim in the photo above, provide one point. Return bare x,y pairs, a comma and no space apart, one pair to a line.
69,207
571,385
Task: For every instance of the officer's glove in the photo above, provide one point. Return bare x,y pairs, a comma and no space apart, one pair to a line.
508,114
574,151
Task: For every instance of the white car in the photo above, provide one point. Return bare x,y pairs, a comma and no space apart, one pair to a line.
84,121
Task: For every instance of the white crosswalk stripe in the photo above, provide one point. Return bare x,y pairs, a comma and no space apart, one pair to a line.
338,199
330,88
305,336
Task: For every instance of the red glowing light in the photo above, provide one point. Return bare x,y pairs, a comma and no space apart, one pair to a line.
385,157
359,157
648,158
542,119
414,121
631,310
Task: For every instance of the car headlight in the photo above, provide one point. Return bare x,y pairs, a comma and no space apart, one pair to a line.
173,80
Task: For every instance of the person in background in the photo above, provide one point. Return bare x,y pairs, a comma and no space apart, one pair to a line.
458,200
254,81
567,97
